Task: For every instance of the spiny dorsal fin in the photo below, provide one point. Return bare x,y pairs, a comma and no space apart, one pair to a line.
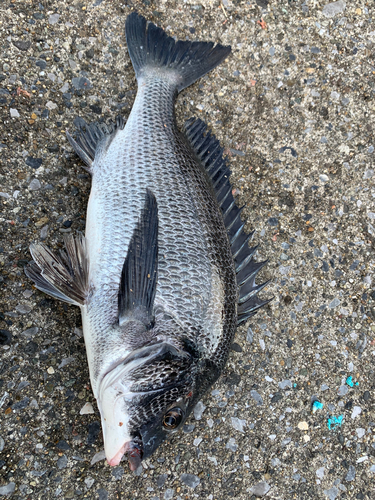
209,151
139,273
90,136
64,277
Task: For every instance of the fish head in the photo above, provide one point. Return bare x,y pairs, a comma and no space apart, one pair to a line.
143,400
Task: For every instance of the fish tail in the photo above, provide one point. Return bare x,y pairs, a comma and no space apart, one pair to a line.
150,47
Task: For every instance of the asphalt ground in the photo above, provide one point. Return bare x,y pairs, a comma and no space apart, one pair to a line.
292,416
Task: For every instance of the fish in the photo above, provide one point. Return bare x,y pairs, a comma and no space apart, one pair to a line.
164,273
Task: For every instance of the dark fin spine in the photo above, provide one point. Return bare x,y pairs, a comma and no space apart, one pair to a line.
250,269
208,150
241,244
150,46
64,277
253,290
248,309
81,152
139,274
90,136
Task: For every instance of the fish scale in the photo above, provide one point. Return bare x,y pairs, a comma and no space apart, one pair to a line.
156,166
164,272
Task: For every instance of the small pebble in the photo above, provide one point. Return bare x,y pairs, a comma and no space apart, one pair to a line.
343,390
198,410
303,426
102,494
23,308
334,8
168,495
256,396
366,395
94,430
320,472
7,489
350,476
356,411
231,445
35,185
160,481
238,424
14,114
197,441
63,445
98,457
87,409
191,480
334,303
117,473
360,432
30,332
62,462
89,481
285,384
260,489
66,361
51,105
332,493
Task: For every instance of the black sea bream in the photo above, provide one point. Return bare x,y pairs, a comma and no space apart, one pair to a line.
164,274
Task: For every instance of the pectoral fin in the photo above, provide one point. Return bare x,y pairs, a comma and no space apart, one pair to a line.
139,274
64,277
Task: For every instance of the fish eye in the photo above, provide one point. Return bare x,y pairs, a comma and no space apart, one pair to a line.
172,418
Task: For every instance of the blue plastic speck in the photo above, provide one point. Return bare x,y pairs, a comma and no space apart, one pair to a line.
317,405
349,381
334,422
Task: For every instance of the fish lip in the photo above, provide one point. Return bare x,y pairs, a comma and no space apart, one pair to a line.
134,455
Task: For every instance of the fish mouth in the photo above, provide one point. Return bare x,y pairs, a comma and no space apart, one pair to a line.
134,455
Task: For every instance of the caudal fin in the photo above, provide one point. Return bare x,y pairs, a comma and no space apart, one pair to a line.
149,46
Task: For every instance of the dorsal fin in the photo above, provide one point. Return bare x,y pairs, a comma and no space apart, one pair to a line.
139,273
89,136
209,151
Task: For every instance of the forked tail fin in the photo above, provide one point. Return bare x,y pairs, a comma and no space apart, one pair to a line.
149,46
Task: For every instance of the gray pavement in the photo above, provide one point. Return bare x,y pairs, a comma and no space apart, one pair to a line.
292,416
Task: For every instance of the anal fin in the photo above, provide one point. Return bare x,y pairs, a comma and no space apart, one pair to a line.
65,276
